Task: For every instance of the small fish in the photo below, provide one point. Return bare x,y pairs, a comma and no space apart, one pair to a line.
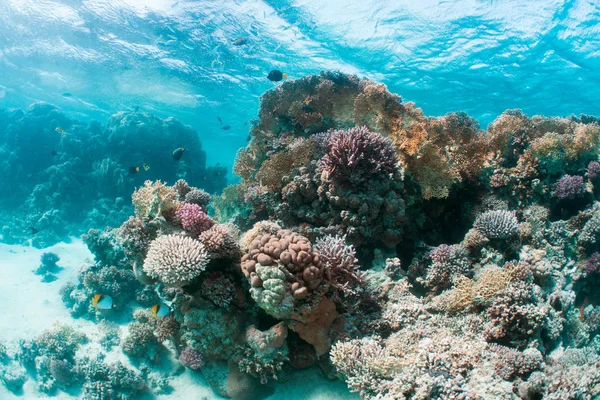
67,94
134,170
226,127
146,167
33,230
178,153
276,75
220,120
160,310
60,130
102,302
54,153
240,41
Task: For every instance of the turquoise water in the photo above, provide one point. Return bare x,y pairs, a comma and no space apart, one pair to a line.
412,212
176,58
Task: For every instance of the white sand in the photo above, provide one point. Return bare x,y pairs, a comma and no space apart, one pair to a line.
30,306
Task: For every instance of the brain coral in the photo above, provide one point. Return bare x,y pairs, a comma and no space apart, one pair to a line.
281,268
175,260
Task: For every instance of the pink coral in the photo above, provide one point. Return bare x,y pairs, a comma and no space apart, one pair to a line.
341,265
193,219
191,358
356,154
569,187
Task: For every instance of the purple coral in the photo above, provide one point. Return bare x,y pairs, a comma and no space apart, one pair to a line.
197,196
356,154
593,169
442,253
569,187
191,358
592,265
193,219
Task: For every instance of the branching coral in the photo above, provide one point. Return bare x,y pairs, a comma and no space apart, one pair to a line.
175,260
356,154
197,196
499,224
219,242
191,358
569,187
341,264
193,220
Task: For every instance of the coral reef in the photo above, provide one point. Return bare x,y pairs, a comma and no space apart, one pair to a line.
412,257
63,184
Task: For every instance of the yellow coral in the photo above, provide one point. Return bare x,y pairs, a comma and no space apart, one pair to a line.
433,173
154,199
491,283
245,163
273,170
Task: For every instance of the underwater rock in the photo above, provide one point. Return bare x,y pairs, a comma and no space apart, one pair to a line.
227,381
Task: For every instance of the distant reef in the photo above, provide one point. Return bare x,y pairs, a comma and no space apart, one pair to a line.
60,177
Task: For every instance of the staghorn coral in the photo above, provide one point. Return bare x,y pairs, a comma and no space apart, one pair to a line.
341,264
175,260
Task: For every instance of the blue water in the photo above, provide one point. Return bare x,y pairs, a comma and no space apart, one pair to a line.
101,97
177,57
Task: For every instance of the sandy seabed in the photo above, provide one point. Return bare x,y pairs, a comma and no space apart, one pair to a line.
29,306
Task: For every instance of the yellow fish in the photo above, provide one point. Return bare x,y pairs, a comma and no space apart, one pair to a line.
146,167
60,130
102,302
160,310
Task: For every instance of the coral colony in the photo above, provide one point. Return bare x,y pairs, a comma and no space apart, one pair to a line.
412,257
61,182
